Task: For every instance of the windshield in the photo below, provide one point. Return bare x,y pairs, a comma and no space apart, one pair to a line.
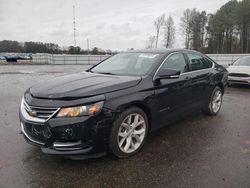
244,61
127,64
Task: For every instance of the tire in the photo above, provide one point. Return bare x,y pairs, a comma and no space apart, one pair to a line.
127,143
211,108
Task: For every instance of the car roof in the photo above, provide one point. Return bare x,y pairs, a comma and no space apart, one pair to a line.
160,50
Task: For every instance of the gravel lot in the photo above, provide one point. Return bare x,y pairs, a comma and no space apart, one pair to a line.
198,151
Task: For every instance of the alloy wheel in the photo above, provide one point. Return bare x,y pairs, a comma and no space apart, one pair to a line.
216,101
131,133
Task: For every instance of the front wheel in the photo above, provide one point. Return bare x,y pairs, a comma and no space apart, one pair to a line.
129,132
215,102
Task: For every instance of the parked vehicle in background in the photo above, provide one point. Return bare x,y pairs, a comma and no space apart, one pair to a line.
11,57
24,57
115,104
2,58
239,71
14,57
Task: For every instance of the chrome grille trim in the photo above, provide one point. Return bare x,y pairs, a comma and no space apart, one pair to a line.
41,114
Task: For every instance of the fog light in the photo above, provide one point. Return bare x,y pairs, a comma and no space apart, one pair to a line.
69,131
66,133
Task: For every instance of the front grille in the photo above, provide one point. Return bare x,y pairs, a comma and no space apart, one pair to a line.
39,112
238,75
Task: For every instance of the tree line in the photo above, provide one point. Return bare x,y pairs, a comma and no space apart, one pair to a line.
226,31
39,47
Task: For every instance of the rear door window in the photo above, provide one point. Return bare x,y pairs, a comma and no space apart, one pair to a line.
198,62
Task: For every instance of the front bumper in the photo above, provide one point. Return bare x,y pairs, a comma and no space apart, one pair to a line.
239,80
77,138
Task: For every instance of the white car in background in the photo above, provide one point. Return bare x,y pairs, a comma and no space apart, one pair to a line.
239,71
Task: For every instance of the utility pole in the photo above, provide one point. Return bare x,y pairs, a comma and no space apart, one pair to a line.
88,45
74,25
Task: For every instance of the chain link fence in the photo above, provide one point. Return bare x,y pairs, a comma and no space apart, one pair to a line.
56,59
226,59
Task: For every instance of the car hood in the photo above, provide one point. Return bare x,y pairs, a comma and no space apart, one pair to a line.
239,69
81,85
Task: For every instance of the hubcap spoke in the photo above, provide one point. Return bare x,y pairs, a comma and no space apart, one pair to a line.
128,143
125,125
132,144
139,123
138,139
122,134
138,132
136,120
129,120
218,98
122,141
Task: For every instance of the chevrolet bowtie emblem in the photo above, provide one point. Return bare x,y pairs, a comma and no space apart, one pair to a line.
32,113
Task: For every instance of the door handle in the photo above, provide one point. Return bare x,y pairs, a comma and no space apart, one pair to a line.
187,78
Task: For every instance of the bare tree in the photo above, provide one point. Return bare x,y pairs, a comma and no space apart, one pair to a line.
150,42
185,26
158,23
169,33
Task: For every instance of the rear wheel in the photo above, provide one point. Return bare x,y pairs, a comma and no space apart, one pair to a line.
129,132
215,101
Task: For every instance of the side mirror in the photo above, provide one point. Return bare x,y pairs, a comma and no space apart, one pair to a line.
168,74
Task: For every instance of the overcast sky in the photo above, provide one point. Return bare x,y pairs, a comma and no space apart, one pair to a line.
108,24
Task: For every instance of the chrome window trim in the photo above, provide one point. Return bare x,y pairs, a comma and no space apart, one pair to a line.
186,62
196,71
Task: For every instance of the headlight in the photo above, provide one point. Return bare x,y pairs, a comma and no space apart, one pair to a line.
81,110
